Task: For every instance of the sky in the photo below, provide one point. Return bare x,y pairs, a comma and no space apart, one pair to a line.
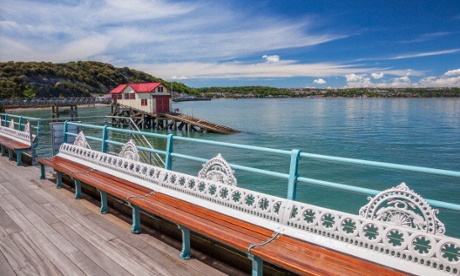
285,43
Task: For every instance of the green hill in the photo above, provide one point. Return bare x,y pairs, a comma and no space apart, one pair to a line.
73,79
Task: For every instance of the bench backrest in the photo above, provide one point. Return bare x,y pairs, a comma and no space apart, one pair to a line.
23,136
379,234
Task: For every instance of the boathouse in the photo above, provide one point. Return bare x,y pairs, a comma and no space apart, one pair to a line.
150,97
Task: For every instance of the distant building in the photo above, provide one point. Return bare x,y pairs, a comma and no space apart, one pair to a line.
152,97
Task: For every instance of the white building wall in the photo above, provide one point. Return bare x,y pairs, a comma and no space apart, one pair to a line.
136,102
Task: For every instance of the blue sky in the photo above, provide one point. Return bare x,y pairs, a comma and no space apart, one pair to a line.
288,43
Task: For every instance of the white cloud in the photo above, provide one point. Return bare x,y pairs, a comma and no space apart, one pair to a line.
452,72
233,70
163,31
449,79
377,75
426,37
319,81
353,77
274,58
427,54
358,80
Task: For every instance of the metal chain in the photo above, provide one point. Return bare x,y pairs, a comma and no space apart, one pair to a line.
144,196
83,172
274,236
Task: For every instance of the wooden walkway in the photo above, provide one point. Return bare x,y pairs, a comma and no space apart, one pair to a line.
199,123
45,231
172,121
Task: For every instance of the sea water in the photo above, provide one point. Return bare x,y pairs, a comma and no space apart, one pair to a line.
419,132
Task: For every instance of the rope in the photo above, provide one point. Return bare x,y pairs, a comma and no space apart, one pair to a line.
144,196
274,236
83,172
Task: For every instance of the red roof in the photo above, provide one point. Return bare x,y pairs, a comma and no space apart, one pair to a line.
118,89
146,87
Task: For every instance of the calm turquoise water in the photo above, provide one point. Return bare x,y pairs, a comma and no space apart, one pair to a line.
420,132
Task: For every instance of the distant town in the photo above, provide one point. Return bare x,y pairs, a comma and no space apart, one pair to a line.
270,92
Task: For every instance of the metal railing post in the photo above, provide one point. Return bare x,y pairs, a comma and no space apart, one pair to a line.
169,150
293,174
20,123
66,129
105,136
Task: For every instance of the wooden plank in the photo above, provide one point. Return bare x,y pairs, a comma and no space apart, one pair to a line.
62,198
101,259
22,200
35,256
37,217
2,177
102,245
42,226
5,267
87,265
164,266
61,260
7,223
14,256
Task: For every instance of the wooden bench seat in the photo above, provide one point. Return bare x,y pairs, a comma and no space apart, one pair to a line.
284,251
13,146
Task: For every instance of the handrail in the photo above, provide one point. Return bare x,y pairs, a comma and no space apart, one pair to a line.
144,142
292,177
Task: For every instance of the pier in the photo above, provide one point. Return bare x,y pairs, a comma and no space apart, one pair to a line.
49,102
45,231
164,121
233,224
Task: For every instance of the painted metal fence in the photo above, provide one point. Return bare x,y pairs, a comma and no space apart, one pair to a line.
292,176
397,227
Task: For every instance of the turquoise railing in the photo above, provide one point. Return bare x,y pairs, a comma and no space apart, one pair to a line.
292,176
21,121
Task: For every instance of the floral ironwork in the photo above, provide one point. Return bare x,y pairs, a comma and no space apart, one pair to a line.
217,169
379,234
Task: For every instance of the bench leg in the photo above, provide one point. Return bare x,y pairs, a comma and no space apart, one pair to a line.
185,253
58,180
3,150
42,171
77,188
136,226
257,265
104,207
19,157
10,154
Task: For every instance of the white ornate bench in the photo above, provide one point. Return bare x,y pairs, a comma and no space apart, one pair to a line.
397,231
16,140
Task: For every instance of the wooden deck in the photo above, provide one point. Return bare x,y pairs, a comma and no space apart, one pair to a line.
45,231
